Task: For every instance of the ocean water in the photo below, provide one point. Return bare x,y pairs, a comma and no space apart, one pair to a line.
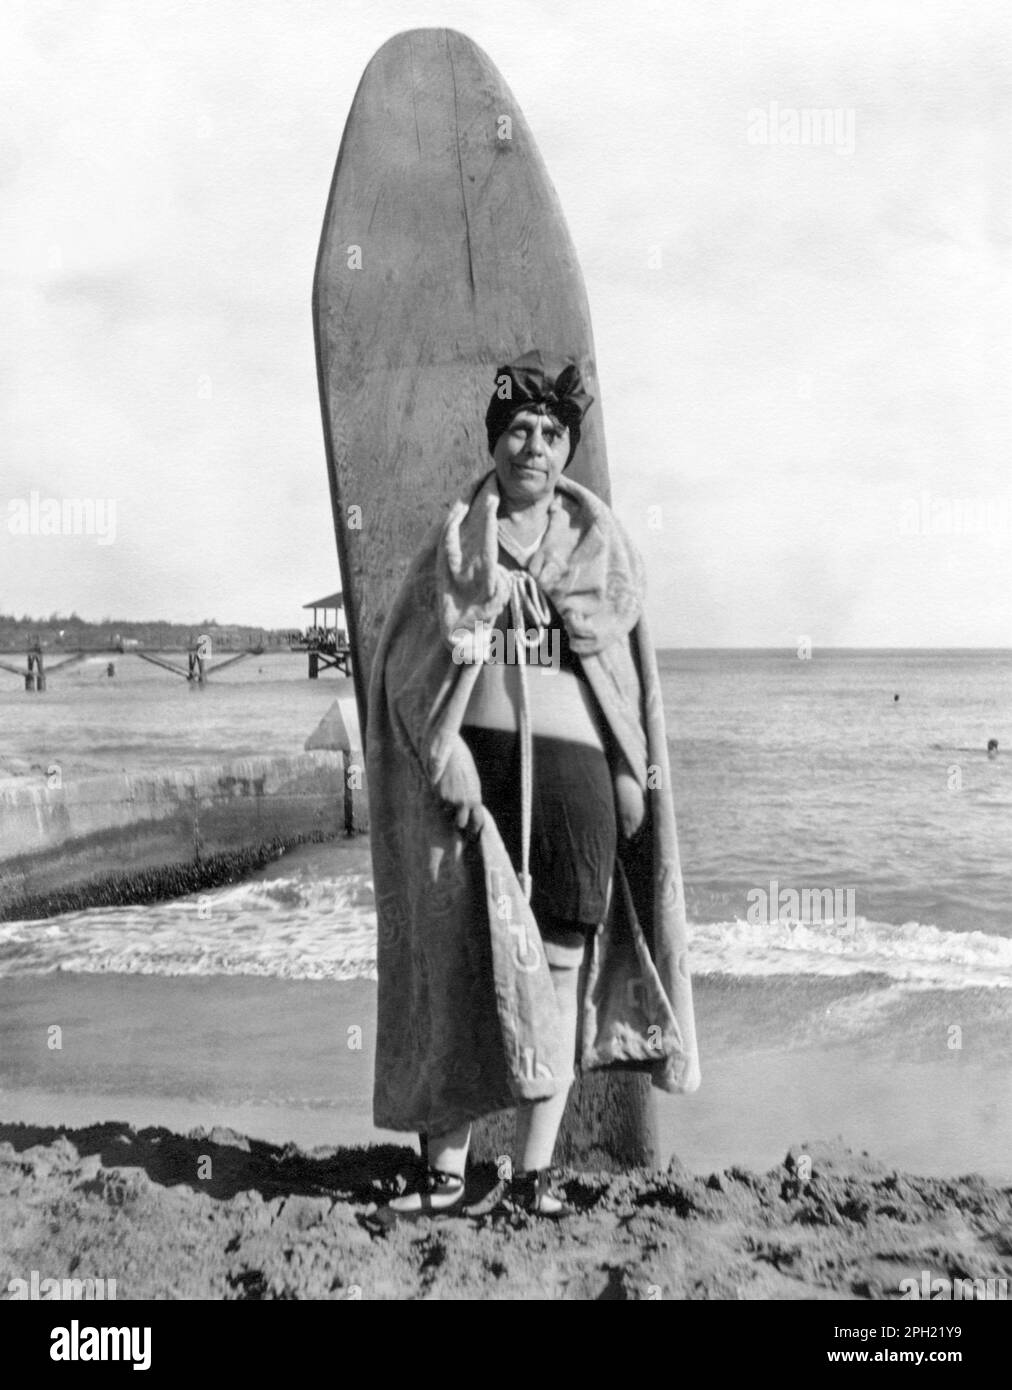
847,860
145,718
825,827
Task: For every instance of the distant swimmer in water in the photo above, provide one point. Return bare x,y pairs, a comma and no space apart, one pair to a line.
896,697
992,748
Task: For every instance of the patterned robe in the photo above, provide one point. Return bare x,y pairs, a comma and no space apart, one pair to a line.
467,1021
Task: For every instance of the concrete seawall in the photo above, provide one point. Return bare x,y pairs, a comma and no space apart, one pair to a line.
65,845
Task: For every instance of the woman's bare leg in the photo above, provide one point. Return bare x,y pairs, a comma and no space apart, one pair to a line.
538,1121
448,1152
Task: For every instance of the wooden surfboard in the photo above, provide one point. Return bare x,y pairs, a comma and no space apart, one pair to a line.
444,254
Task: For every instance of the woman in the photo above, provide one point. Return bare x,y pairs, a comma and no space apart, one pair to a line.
529,894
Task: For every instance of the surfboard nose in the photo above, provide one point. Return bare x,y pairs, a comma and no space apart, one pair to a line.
434,35
426,53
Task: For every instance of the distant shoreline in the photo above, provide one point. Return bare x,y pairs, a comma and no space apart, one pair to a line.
278,646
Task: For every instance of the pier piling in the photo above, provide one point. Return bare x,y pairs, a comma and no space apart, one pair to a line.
35,676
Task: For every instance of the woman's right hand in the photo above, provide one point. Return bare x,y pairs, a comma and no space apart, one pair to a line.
459,789
476,586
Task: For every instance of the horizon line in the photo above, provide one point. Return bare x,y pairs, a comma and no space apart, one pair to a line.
829,647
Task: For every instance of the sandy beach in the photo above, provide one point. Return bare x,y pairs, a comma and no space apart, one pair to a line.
110,1131
281,1223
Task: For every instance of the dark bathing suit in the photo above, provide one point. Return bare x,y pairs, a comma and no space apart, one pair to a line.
573,825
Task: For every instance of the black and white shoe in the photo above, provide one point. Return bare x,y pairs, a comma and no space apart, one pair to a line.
535,1193
438,1194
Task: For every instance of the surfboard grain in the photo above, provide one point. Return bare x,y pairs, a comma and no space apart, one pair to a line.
444,254
466,262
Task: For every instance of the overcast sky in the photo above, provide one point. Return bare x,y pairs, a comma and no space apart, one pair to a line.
803,349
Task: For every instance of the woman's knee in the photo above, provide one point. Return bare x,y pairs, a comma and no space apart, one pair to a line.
566,979
565,946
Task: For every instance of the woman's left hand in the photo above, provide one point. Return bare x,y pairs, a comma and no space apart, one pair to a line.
630,803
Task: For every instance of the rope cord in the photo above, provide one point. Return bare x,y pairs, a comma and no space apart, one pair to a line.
526,603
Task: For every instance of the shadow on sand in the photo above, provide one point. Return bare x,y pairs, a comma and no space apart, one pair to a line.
238,1164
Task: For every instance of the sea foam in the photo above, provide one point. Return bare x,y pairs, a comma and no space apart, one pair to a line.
324,927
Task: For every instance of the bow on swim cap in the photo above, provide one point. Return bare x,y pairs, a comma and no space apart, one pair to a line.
538,379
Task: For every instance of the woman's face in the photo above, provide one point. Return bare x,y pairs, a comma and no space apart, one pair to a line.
530,455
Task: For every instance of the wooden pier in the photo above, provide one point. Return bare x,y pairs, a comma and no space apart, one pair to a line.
328,646
196,671
36,671
324,658
197,668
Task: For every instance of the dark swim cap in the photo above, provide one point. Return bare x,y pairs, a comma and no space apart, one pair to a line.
538,380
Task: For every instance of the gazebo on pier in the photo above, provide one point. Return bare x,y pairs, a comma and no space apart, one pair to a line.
327,645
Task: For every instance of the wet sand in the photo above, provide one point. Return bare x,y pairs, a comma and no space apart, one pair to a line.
292,1061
